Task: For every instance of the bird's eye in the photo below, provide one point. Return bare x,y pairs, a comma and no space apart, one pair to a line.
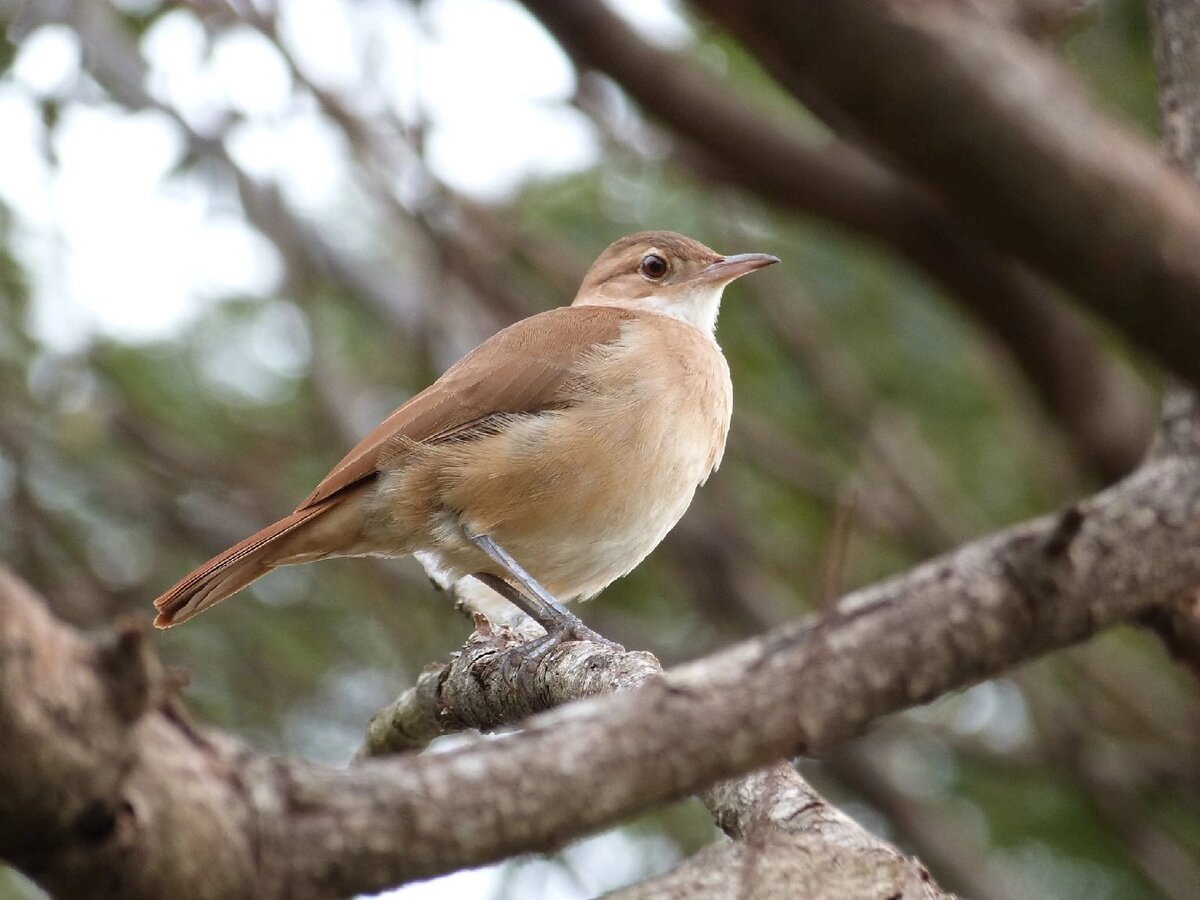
653,266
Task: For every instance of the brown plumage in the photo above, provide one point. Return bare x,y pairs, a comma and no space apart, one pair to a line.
519,370
574,438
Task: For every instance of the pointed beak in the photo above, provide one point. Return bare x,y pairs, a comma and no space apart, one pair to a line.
732,267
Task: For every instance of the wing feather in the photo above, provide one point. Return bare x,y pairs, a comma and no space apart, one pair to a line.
521,369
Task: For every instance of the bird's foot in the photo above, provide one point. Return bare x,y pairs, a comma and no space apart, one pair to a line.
522,660
572,628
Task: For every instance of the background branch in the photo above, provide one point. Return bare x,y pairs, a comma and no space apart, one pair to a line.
1106,411
1007,139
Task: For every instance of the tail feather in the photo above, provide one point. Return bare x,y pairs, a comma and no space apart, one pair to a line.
229,572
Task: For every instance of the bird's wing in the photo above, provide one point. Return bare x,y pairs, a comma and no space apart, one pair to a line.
518,370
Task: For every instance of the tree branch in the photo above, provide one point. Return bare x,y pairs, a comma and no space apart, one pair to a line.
793,844
784,831
1007,138
1175,25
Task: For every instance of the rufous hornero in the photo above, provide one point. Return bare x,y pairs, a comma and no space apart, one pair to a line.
547,462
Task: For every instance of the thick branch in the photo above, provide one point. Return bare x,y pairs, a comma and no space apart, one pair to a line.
1176,29
1175,25
784,832
794,845
1005,135
98,795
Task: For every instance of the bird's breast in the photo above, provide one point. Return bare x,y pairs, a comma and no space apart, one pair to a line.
618,467
662,395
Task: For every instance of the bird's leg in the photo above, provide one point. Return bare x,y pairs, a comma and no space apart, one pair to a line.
523,658
535,601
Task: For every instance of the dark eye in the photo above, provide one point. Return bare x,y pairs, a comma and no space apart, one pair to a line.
653,266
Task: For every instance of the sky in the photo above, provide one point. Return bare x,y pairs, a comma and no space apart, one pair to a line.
120,243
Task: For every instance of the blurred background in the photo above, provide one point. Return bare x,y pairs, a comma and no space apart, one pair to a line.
234,237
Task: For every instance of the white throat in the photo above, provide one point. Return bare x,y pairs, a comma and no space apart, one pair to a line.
698,307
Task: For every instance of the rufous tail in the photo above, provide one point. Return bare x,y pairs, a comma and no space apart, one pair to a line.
222,576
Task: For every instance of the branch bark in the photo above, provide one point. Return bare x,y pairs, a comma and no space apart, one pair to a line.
1175,25
1176,29
784,833
790,844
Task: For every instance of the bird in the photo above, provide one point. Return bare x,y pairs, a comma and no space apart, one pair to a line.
547,462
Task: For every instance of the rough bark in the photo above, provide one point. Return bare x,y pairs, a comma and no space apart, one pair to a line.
791,844
105,790
785,836
1175,25
1176,28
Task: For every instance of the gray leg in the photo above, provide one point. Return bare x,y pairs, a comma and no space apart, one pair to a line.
534,600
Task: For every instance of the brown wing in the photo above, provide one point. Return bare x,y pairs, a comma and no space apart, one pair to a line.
519,369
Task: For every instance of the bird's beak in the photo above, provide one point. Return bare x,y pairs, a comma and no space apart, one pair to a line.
732,267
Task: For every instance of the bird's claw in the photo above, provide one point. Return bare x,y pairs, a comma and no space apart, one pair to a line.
580,632
522,660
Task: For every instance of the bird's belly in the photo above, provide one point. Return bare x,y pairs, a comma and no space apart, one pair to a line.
596,516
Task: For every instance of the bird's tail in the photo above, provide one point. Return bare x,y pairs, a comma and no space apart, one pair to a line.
297,538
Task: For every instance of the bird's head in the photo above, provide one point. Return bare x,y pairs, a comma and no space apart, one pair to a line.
667,273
